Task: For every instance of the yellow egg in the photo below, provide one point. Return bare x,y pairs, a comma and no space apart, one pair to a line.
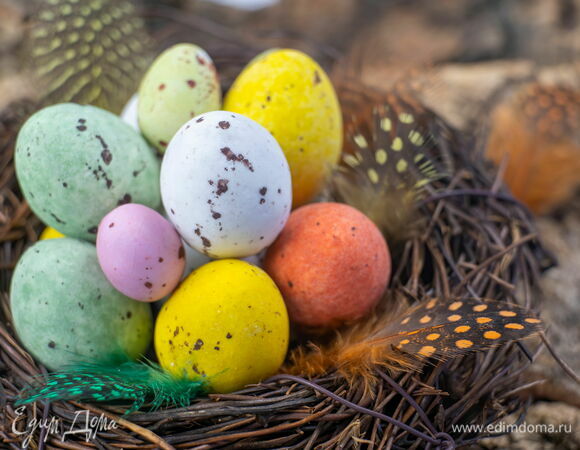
227,321
50,233
288,93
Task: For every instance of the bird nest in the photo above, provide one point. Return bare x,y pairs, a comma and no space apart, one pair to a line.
478,242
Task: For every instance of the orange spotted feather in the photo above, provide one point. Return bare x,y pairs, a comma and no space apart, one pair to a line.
433,329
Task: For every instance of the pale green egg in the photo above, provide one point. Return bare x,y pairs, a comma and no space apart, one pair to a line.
76,163
65,311
180,84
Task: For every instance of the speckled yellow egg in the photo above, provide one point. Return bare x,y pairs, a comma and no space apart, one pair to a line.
289,94
226,322
50,233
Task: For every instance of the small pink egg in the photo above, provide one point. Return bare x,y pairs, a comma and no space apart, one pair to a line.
140,252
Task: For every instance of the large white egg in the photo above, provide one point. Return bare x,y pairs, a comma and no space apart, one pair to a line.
225,184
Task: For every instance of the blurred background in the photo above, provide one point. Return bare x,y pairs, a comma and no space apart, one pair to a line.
504,71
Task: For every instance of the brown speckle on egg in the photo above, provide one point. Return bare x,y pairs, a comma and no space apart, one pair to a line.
222,186
55,217
231,156
317,78
126,199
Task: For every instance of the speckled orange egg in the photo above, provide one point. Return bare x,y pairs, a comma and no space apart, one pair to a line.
331,264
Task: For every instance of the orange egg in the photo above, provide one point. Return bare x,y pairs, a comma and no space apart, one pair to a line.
536,132
331,264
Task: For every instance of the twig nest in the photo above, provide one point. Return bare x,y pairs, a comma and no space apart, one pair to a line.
331,263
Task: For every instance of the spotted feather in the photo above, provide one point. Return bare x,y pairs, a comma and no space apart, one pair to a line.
433,330
119,380
391,155
92,51
444,330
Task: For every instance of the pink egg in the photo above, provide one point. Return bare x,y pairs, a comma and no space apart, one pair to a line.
140,252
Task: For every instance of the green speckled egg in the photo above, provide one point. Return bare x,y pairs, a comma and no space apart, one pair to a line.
180,84
65,310
76,163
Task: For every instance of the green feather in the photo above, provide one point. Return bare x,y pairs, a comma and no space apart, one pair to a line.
138,382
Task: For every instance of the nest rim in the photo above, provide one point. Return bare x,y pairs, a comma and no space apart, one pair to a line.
286,411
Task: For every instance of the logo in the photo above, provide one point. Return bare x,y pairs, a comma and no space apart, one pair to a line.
83,423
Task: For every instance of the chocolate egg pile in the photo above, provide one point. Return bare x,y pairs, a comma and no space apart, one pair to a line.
188,202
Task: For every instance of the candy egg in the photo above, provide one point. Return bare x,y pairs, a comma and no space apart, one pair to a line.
193,259
129,113
140,252
331,263
227,322
225,185
290,95
76,163
50,233
65,311
180,84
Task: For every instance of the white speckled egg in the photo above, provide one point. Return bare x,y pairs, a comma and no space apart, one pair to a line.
225,184
129,113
